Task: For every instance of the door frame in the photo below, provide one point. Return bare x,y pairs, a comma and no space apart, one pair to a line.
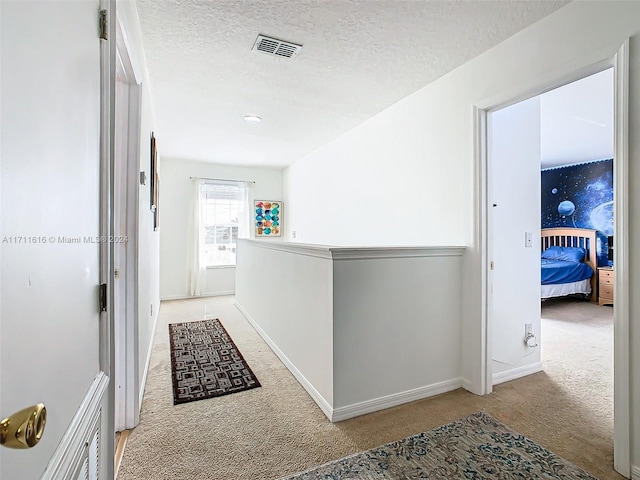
107,337
594,62
127,398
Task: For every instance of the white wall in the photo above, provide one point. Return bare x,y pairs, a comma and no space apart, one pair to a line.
287,296
413,164
176,220
396,329
148,239
514,162
378,184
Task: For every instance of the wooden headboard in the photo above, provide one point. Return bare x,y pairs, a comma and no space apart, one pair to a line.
574,237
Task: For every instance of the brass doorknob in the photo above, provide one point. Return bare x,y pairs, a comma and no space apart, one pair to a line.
23,429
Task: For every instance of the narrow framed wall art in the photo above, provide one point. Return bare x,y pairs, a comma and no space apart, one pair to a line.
268,218
155,183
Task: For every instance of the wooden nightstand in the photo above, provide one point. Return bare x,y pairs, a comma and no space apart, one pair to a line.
605,285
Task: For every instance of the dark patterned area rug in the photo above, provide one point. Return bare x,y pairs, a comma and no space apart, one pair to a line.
477,447
205,362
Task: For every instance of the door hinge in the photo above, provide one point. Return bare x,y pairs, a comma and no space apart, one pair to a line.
491,264
103,297
104,25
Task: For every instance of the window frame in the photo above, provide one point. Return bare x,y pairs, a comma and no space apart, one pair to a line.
206,203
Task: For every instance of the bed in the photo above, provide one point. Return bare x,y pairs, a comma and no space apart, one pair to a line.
563,272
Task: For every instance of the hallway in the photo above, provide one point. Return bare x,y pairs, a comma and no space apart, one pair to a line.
275,430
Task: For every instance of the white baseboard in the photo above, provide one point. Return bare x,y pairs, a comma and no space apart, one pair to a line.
350,411
143,383
73,448
381,403
517,372
635,473
324,405
220,293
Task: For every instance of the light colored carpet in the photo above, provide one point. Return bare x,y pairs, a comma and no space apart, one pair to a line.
277,430
477,446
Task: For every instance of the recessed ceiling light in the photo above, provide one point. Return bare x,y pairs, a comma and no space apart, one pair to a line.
252,118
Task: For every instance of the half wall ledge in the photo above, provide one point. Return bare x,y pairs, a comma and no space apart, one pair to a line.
361,328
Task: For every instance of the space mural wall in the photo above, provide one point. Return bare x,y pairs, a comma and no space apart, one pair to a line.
580,196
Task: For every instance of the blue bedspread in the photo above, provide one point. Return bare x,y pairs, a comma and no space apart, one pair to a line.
558,271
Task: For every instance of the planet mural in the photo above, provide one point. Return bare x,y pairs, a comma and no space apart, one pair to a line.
586,191
602,218
566,208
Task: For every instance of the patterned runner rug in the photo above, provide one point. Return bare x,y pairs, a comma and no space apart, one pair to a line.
476,447
205,362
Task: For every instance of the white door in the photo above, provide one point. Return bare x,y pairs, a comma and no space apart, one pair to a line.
50,251
514,212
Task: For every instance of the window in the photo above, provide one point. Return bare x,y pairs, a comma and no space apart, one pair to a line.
223,218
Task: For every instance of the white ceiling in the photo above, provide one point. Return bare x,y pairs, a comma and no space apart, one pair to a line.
576,121
358,58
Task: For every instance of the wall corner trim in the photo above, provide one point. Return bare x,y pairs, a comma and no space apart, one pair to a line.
388,401
324,405
517,372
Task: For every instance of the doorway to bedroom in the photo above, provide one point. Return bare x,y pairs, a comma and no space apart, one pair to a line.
550,184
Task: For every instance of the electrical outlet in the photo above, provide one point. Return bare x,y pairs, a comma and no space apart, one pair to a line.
293,234
529,337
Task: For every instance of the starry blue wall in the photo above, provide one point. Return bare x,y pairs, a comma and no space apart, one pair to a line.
580,196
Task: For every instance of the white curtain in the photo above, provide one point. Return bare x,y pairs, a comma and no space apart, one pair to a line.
197,267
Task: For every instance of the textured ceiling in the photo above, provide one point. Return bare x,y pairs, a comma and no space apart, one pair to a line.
358,58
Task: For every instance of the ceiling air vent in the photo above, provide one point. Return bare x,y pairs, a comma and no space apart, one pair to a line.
275,47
